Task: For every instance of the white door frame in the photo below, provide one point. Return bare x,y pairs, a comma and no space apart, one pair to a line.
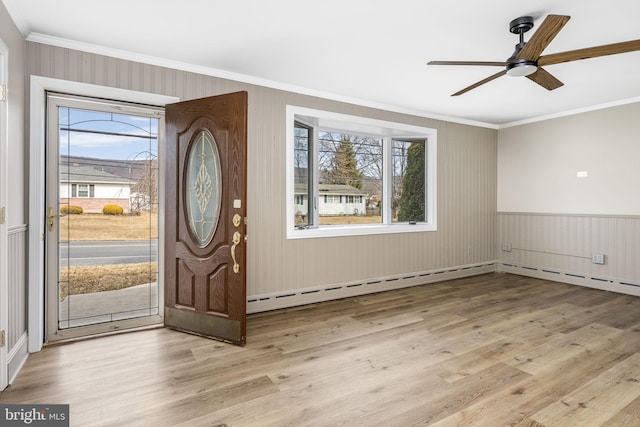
4,175
4,284
39,87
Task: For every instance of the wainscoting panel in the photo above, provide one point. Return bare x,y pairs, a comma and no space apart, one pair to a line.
560,247
17,326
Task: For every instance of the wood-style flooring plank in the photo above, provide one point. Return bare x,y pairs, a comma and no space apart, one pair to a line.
515,405
491,350
595,401
588,338
627,416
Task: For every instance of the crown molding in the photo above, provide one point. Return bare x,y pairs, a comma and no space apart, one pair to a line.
244,78
570,112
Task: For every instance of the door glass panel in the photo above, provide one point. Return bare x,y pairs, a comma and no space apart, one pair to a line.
203,191
108,216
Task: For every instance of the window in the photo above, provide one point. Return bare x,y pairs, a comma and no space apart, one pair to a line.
358,175
82,190
332,199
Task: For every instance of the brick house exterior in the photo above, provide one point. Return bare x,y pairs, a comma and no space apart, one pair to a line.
92,188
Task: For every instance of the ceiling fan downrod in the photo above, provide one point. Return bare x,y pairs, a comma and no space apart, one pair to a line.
520,67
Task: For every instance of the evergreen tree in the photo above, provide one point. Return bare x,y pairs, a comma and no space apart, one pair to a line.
344,166
412,199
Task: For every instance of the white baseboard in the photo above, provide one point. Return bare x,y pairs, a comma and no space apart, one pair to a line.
17,357
590,281
296,297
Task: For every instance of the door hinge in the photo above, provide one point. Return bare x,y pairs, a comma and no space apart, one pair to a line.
2,216
1,339
3,93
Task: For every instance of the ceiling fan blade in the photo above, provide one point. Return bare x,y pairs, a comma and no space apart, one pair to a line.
481,82
589,52
545,79
549,28
492,64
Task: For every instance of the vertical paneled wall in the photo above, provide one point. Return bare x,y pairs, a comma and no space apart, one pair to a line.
561,246
466,180
17,280
16,243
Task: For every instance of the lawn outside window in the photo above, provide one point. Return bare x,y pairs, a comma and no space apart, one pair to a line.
350,175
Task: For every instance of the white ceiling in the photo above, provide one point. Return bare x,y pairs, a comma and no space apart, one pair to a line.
372,52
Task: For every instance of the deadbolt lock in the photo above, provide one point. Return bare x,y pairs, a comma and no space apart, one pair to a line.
237,220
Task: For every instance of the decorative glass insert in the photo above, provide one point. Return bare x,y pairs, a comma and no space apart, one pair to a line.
203,183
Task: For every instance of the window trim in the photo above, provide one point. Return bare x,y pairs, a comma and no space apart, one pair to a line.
319,119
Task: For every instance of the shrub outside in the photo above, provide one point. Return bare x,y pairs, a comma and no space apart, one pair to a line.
112,210
71,210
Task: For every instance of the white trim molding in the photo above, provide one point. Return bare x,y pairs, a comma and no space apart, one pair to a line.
4,176
570,112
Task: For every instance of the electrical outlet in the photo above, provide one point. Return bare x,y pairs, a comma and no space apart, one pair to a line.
597,258
506,247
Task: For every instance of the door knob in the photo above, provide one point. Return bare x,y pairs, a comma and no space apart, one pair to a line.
236,242
50,217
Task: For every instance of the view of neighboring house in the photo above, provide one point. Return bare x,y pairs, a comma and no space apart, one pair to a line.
91,187
334,199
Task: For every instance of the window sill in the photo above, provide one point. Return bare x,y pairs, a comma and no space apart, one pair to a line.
358,230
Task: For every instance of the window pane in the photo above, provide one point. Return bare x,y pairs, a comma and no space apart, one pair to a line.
203,187
350,178
106,158
83,190
408,182
302,140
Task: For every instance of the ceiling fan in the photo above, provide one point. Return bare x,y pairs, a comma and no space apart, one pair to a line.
527,59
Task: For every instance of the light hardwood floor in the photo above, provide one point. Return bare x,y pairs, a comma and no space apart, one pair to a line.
492,350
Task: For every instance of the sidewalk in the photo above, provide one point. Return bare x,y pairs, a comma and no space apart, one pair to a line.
107,306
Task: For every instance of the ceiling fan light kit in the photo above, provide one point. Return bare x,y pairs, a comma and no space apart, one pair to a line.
521,68
527,59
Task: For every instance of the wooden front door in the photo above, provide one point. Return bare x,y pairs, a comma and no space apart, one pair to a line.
205,254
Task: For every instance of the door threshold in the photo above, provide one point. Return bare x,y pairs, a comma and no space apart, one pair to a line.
103,334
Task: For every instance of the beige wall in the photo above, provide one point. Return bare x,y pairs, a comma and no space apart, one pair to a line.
17,194
538,162
553,220
466,180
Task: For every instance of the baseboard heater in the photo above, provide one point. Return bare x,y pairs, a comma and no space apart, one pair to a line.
296,297
581,279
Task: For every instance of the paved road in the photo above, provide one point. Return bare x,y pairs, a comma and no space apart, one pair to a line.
102,253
